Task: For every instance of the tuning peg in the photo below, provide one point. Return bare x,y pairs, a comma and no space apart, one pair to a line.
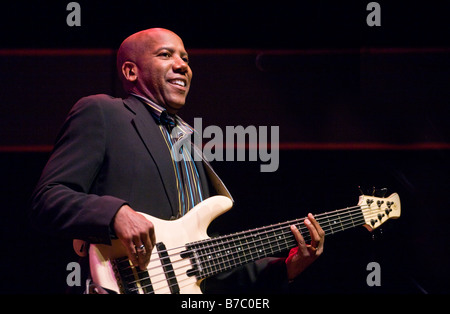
360,190
379,192
374,192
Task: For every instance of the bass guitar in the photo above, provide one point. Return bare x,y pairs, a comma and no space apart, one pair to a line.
185,254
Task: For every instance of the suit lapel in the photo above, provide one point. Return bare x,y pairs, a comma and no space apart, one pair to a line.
216,182
151,137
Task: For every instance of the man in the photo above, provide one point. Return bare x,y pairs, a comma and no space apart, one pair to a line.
112,159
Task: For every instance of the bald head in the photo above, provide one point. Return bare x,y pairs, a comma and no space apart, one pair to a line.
135,45
154,63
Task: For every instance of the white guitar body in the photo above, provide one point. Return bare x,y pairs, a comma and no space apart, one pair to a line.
174,234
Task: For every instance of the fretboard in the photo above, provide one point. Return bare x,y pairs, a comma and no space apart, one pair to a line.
219,254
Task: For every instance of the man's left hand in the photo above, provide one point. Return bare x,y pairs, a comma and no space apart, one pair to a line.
304,254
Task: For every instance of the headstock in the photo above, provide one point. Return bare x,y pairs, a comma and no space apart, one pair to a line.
377,210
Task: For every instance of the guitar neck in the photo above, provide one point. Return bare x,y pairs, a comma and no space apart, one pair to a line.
215,255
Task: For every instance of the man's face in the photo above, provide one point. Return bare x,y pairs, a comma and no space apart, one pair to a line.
164,75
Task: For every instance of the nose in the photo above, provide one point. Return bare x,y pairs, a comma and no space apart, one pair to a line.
180,65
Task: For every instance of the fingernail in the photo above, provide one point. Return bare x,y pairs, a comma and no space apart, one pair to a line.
307,221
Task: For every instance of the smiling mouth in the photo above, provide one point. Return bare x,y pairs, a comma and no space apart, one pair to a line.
178,82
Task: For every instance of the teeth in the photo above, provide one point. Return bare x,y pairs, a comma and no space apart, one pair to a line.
179,82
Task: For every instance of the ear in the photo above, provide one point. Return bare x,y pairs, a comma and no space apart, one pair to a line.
129,71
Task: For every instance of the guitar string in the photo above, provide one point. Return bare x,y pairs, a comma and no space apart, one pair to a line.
232,237
213,265
344,223
251,235
193,279
271,228
280,226
253,243
334,213
288,244
259,243
258,248
153,284
168,287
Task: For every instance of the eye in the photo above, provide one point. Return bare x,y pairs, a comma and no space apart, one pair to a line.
165,54
185,59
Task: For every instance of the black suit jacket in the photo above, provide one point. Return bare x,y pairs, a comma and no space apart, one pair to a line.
110,152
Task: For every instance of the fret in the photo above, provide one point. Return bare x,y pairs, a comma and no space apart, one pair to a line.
329,225
285,240
335,224
239,251
249,246
225,249
351,218
340,222
266,246
228,252
221,262
206,257
269,240
278,237
252,252
258,245
306,236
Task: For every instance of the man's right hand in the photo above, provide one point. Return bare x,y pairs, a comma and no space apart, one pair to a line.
134,230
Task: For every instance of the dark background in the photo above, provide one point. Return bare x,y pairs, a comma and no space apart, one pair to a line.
356,106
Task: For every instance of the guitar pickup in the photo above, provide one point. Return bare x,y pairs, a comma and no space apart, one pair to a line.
168,268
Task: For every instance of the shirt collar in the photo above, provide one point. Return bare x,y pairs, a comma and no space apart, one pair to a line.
154,108
156,111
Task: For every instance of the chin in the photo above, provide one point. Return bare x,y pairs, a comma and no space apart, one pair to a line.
174,107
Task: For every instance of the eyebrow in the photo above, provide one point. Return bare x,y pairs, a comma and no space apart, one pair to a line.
172,50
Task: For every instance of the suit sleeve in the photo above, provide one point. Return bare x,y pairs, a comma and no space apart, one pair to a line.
61,203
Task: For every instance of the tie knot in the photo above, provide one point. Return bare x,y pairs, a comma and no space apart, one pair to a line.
167,120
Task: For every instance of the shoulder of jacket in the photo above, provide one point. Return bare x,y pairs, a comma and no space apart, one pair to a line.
100,99
101,102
